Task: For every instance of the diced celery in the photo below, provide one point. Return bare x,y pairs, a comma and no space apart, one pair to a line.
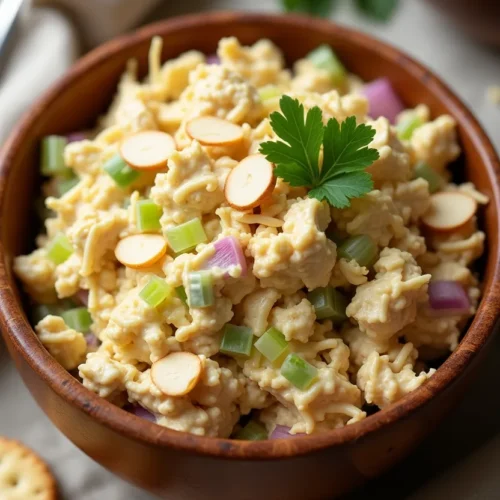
155,291
269,92
407,126
236,340
328,303
201,289
185,237
64,185
59,249
79,319
53,156
180,291
360,248
120,172
324,57
272,344
253,431
426,172
148,215
298,371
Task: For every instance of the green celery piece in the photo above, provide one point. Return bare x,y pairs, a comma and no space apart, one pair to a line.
181,293
253,431
78,319
360,248
407,126
65,185
120,172
323,57
272,344
201,289
328,303
236,340
424,171
59,249
148,215
185,237
269,92
52,157
298,371
156,291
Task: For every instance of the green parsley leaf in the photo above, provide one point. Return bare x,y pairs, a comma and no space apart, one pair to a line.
345,148
321,8
380,10
346,154
303,140
339,190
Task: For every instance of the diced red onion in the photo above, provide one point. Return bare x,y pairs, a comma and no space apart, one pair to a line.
140,412
76,136
282,432
83,297
228,253
213,59
448,298
92,340
383,100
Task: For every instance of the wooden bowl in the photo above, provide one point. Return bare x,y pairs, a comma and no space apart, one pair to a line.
181,466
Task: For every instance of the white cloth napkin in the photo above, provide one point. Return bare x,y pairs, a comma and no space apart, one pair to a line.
64,28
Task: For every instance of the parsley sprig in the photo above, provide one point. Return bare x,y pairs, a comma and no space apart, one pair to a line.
378,10
346,154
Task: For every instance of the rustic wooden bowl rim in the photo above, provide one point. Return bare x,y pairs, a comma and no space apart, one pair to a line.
25,341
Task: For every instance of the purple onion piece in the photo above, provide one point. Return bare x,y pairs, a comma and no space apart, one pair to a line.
228,253
213,59
76,136
140,412
383,100
282,432
82,296
448,298
92,340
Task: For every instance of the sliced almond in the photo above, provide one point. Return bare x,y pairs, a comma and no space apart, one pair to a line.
250,182
177,373
212,131
449,211
140,250
149,150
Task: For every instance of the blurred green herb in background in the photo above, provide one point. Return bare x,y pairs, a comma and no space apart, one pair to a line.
321,8
379,10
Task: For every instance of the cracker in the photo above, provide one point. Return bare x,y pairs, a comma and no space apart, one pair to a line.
23,474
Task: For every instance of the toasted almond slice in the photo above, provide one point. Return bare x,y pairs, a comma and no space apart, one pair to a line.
250,182
263,220
449,211
212,131
177,373
140,250
148,150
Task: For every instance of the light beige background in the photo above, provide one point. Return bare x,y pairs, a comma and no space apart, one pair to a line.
461,460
